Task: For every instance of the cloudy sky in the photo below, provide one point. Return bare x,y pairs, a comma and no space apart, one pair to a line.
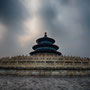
23,21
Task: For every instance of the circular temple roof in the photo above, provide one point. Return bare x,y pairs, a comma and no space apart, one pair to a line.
45,45
55,52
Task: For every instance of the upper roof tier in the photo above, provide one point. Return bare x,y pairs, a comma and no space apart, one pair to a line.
45,39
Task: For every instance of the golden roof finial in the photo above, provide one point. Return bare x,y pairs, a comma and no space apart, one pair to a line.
45,34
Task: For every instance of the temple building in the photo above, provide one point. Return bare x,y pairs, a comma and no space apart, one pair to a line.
45,60
45,45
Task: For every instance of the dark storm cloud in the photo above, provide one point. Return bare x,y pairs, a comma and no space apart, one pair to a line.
12,15
68,21
84,8
64,2
12,12
72,43
49,15
10,9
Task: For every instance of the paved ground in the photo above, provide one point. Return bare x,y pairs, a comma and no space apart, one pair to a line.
44,83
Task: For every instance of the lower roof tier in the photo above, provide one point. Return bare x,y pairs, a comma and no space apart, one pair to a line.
54,52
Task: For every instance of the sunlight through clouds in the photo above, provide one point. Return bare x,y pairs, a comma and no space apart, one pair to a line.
32,29
32,26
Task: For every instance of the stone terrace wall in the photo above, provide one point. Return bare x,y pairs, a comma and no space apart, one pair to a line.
45,64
